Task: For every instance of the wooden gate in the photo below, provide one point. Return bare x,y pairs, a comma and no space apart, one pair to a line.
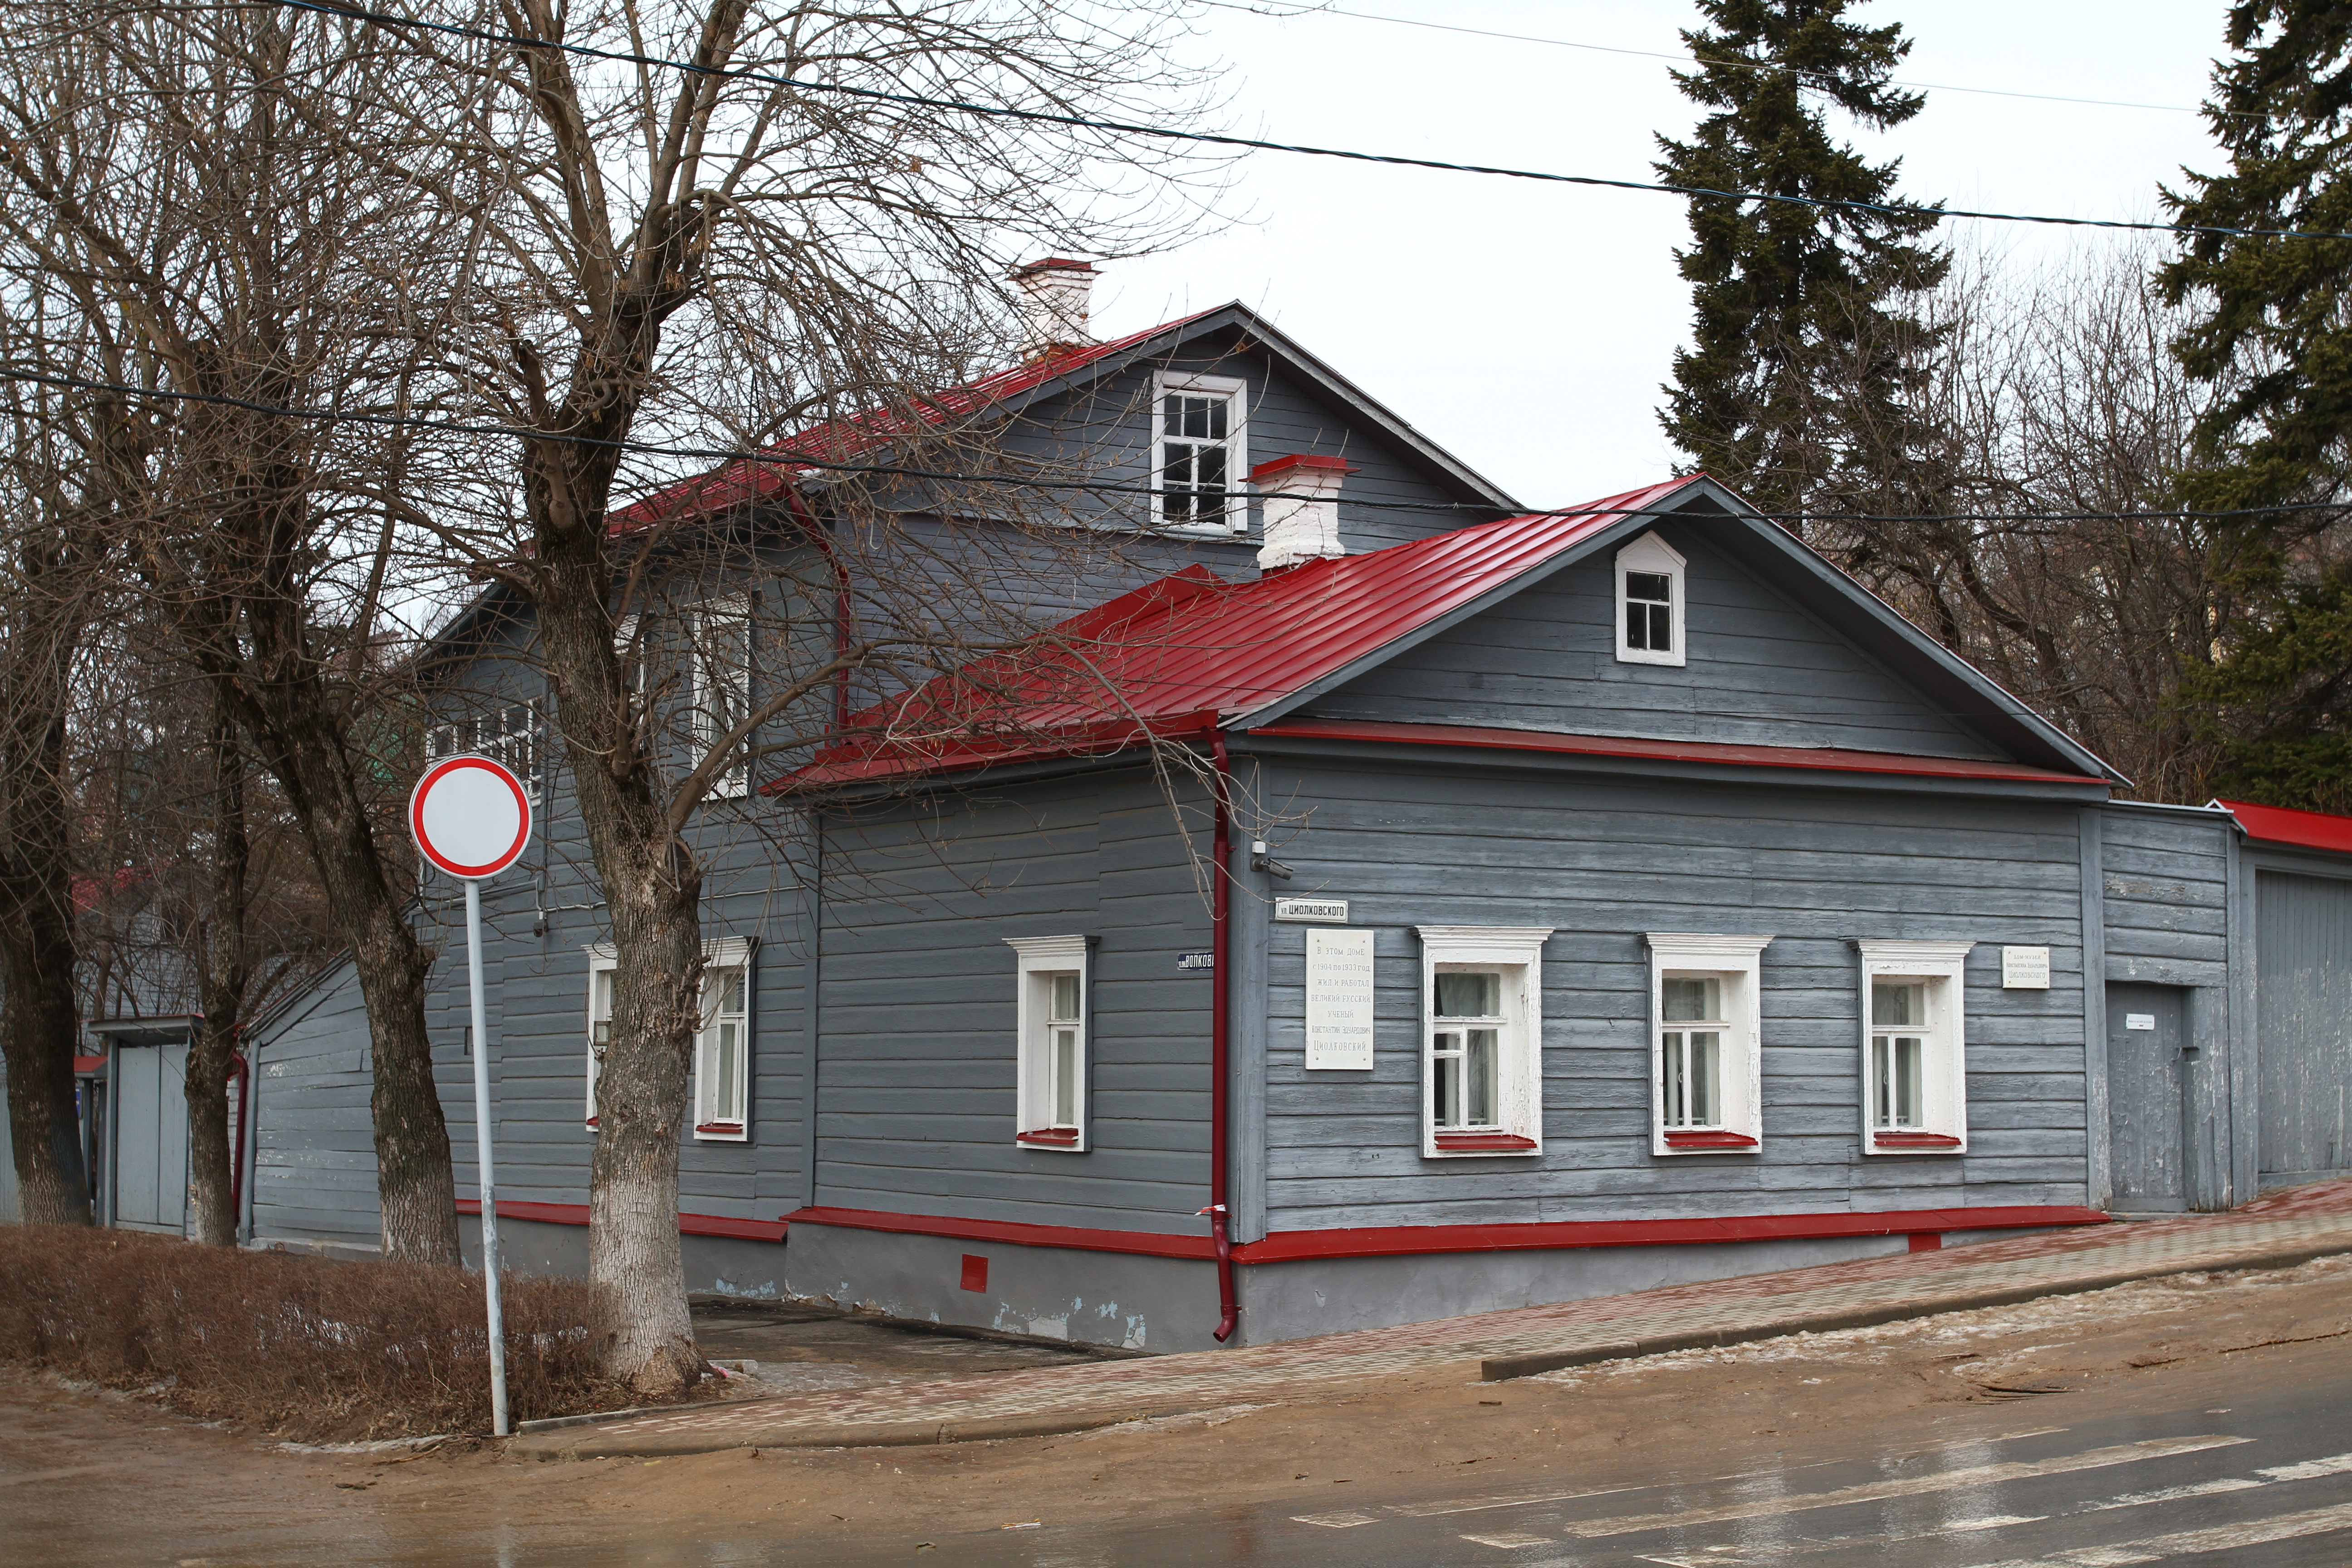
2303,996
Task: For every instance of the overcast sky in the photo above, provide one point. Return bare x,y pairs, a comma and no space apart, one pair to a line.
1528,327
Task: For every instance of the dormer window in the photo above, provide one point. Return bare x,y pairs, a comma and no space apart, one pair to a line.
1202,453
1649,603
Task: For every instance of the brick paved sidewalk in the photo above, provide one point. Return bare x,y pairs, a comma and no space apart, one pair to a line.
2305,1223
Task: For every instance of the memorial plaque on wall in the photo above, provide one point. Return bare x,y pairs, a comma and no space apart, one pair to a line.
1340,1001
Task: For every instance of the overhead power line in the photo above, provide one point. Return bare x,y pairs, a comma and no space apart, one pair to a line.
775,458
1687,59
1213,139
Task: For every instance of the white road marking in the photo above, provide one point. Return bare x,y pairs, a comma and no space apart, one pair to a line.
1991,1521
1333,1521
2189,1542
1510,1540
1911,1486
2310,1470
2170,1494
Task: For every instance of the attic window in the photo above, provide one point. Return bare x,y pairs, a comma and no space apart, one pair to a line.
1650,619
1200,449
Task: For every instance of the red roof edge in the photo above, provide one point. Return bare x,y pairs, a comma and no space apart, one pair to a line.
2283,825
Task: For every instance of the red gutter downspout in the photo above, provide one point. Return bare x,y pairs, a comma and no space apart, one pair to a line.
1229,1310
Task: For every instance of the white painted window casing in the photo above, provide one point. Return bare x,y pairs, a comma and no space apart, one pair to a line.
1707,1043
1200,453
1651,613
1914,1006
721,1102
508,732
1052,1020
1482,1069
723,684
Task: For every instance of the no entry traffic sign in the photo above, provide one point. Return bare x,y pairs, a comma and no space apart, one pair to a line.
470,816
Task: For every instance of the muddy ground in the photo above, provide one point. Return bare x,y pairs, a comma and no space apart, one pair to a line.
94,1477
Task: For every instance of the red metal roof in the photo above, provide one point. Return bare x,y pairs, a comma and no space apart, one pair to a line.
2304,829
1181,653
1832,759
839,441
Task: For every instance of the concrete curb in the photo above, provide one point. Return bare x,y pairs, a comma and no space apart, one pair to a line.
1497,1369
880,1435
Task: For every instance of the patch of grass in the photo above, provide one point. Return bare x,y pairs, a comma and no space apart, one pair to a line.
307,1348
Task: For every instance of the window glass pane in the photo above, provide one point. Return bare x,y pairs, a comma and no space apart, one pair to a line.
1449,1083
730,993
1651,586
1896,1004
1066,1077
1898,1086
1478,1088
1692,1001
1662,628
1065,999
1209,464
1637,626
1705,1079
724,1102
1470,995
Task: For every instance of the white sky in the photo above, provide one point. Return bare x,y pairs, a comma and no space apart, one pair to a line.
1528,327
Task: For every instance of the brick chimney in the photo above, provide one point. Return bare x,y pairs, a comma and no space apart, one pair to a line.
1055,294
1301,508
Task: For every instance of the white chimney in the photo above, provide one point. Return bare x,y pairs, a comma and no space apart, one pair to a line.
1055,293
1301,508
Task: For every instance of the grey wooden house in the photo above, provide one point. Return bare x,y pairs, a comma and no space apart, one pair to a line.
1609,899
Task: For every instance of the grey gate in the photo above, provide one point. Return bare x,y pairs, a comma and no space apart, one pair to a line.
2149,1062
151,1154
2303,997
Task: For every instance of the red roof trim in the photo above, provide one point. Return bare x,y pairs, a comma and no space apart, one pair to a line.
688,1224
1403,1241
1827,758
2303,829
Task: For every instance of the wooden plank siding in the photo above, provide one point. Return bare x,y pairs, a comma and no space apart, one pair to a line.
1761,670
916,1110
1603,862
2167,894
314,1152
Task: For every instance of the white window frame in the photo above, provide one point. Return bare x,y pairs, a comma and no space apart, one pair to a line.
711,620
496,734
1235,392
719,953
1652,553
1941,967
1517,952
1037,960
1736,962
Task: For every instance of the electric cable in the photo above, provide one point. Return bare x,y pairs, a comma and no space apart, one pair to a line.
1213,139
778,458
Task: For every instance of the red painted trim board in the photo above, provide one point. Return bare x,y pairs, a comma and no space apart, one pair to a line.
1393,1241
688,1224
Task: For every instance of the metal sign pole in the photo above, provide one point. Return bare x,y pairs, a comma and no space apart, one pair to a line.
482,1147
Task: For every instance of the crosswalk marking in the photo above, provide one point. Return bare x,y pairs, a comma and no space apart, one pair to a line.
1510,1540
1333,1521
2189,1542
1909,1485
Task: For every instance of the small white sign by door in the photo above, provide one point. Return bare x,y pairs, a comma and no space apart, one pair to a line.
1338,1001
1330,912
2140,1021
2025,969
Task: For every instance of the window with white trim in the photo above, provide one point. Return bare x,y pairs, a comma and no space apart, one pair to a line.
507,732
723,684
722,1049
1050,1071
1650,618
1914,1048
722,1039
1706,1043
1201,453
1482,1040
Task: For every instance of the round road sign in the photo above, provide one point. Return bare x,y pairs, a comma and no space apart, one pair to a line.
470,816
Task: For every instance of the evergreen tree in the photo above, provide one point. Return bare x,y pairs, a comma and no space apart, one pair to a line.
2273,334
1796,389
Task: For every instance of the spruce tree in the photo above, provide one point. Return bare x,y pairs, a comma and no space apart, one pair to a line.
2273,334
1796,389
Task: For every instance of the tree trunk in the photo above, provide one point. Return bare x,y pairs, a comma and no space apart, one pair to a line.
39,1031
212,1180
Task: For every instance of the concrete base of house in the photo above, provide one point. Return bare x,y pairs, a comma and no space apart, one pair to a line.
715,1264
1171,1304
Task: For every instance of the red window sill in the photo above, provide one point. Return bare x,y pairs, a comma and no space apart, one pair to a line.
1485,1143
1711,1141
1050,1138
1913,1141
720,1129
591,1124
